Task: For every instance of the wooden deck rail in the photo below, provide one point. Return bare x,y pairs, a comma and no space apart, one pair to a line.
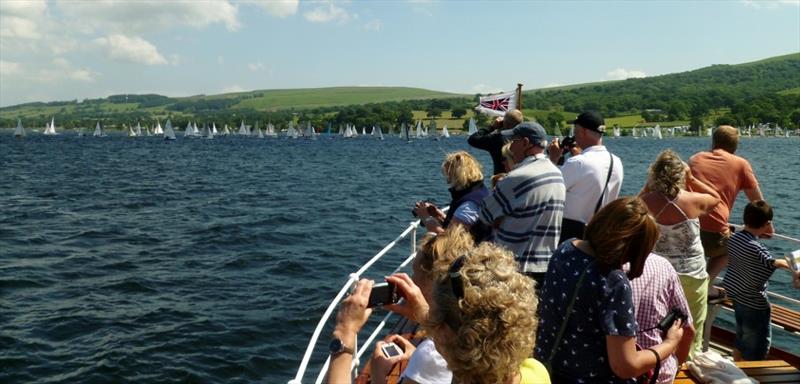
767,371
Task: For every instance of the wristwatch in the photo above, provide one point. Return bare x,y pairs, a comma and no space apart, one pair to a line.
337,347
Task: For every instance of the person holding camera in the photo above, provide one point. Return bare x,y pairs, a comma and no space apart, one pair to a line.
592,175
490,140
482,319
464,175
587,326
658,297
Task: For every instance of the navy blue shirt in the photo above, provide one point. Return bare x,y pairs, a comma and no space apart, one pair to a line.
603,306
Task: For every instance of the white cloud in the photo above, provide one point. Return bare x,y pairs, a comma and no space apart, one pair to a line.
220,60
148,15
63,70
422,7
9,68
484,89
769,4
327,12
277,8
133,49
21,19
259,66
374,25
622,74
232,89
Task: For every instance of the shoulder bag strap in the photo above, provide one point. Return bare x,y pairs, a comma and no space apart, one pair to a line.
608,178
561,330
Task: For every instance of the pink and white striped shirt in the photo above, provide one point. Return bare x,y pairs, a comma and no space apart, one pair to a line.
655,293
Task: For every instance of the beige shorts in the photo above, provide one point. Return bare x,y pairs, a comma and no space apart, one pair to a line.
715,244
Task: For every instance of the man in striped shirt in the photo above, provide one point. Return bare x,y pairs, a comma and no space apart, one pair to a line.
750,266
526,207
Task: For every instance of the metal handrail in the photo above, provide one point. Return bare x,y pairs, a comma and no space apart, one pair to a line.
354,277
740,227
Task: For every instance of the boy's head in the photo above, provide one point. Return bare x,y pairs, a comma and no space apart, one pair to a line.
757,214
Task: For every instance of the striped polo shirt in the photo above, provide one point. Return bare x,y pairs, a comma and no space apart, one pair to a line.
526,207
749,267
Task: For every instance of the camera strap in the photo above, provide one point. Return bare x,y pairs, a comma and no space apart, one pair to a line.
608,178
548,363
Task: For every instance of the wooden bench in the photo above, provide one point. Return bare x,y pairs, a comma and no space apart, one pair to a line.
767,371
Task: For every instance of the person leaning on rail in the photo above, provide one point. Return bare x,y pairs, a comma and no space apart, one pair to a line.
464,176
482,319
676,199
727,174
587,326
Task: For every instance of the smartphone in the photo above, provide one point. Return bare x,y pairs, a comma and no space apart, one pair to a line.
382,294
391,350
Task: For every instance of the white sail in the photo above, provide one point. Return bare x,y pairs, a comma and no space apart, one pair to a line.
290,131
258,133
634,132
473,128
188,131
445,133
380,133
372,133
158,130
242,129
310,132
98,131
209,132
50,129
19,131
138,129
271,130
169,133
657,132
226,131
418,134
616,132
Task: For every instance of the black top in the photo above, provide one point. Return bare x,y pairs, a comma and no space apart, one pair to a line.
492,142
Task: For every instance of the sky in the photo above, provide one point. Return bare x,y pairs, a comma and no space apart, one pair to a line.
73,49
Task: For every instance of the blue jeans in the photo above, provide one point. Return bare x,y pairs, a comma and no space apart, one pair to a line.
753,331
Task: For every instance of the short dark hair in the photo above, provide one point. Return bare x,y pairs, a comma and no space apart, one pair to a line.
757,214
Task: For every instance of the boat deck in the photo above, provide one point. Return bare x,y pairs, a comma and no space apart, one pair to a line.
766,371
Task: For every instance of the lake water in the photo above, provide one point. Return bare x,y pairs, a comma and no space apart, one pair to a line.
140,260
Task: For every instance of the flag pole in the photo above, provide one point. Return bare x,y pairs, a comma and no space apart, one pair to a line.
519,96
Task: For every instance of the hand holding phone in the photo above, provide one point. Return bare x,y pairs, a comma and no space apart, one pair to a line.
391,350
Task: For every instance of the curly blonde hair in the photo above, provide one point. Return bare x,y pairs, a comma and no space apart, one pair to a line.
494,323
437,252
461,169
667,174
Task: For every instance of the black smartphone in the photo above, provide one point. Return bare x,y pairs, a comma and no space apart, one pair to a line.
382,294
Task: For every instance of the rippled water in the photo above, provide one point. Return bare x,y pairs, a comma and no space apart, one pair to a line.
126,260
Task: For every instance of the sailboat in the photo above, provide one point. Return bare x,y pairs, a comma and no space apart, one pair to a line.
473,128
138,129
380,133
242,129
310,132
258,132
19,132
98,131
290,131
169,133
131,132
226,131
445,133
214,129
50,128
271,130
209,131
188,132
635,132
158,130
657,132
418,134
617,131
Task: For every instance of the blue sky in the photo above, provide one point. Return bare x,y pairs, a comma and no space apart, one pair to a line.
64,50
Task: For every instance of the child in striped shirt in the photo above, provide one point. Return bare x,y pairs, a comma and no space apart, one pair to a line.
749,268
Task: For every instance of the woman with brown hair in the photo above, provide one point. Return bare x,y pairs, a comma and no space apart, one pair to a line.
677,200
587,327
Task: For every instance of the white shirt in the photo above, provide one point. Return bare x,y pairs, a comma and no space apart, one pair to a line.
585,177
427,366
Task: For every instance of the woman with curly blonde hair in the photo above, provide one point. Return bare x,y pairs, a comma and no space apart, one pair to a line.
482,316
587,326
464,176
677,200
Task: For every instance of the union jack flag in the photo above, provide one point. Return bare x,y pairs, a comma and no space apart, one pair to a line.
497,105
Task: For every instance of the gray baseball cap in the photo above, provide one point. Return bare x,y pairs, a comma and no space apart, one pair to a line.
532,130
